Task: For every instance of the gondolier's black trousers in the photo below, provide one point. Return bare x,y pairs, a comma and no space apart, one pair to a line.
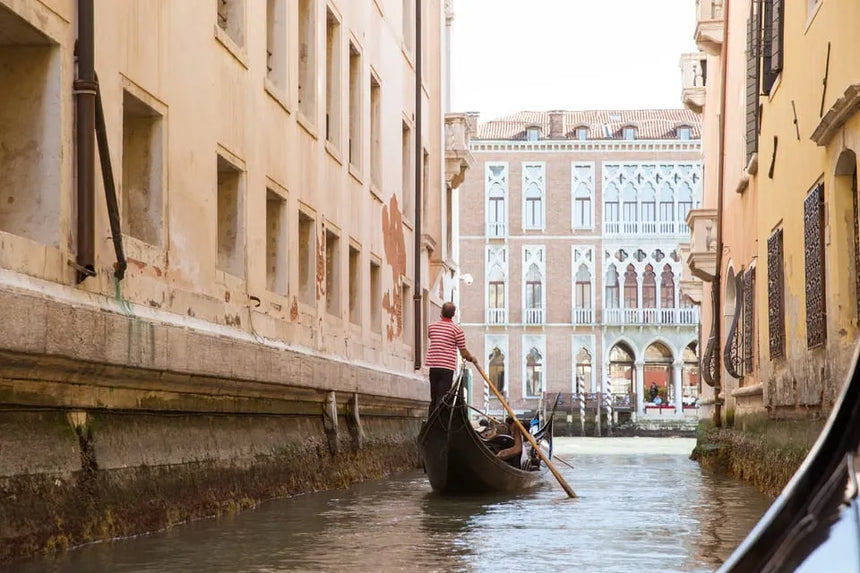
441,380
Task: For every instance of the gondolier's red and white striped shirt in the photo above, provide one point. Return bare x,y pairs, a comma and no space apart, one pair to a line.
445,338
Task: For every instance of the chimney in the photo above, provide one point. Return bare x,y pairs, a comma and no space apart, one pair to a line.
556,124
472,123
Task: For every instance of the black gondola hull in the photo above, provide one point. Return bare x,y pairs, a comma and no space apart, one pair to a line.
457,461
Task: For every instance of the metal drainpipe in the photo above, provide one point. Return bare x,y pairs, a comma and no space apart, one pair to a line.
85,97
716,285
418,296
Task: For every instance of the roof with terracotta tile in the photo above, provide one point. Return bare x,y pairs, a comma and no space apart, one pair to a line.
601,124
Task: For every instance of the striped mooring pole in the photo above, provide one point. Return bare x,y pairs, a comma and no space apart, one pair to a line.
580,388
608,403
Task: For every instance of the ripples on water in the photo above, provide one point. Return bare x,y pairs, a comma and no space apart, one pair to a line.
641,511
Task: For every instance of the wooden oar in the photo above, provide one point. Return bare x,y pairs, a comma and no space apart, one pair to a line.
528,435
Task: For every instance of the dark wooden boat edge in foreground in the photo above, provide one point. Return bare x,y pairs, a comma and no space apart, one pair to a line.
457,461
799,531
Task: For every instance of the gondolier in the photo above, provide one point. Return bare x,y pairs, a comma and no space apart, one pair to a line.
445,339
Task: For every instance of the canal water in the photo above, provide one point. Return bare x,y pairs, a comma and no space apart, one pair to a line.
642,506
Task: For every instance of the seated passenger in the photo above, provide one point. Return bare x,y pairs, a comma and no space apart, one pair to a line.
513,453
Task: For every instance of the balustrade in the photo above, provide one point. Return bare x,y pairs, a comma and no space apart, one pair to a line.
534,316
496,316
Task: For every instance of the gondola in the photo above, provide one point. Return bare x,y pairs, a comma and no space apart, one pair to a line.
458,461
814,525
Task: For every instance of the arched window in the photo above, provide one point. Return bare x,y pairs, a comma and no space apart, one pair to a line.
621,369
667,208
631,288
497,191
583,370
581,133
532,133
649,288
496,367
648,208
612,294
534,373
582,184
685,203
629,208
611,209
534,295
667,288
533,191
582,288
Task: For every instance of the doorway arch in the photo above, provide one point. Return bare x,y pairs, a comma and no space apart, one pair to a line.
658,373
621,367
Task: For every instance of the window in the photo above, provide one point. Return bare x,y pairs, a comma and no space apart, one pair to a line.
534,298
276,43
496,368
816,316
30,139
142,170
408,26
649,288
496,272
307,59
534,263
449,223
612,290
332,72
684,133
775,295
582,288
752,81
534,373
375,297
375,132
631,288
355,113
583,370
354,285
649,216
582,186
629,133
231,19
533,134
230,218
276,242
496,189
582,133
332,273
307,259
612,217
667,287
771,46
534,186
496,295
408,176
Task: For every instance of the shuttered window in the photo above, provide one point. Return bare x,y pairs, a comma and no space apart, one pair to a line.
777,25
752,86
772,44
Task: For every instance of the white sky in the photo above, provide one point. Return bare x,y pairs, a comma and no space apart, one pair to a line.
537,55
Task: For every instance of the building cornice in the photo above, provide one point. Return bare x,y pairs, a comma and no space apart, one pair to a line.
593,146
839,113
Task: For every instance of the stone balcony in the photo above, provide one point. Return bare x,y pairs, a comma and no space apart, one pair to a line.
702,260
693,75
458,158
709,26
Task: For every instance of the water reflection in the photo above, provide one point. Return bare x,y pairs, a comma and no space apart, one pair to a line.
642,511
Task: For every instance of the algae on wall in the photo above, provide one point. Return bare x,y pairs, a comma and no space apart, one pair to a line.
762,451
